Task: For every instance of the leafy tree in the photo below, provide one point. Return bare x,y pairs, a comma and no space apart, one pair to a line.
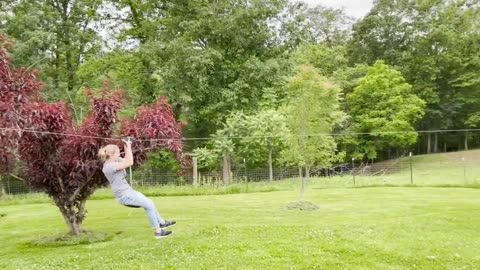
61,157
227,139
328,59
301,24
207,58
434,44
55,35
207,158
385,108
123,69
348,78
254,137
266,133
385,33
312,113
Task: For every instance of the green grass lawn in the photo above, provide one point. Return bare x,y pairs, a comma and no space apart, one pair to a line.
354,228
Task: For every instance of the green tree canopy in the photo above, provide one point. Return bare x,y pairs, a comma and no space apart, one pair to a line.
313,111
385,108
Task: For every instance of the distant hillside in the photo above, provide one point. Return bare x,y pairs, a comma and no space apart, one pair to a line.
453,160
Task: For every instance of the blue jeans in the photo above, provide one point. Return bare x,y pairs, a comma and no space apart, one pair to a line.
136,198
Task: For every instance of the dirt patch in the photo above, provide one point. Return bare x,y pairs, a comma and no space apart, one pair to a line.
87,237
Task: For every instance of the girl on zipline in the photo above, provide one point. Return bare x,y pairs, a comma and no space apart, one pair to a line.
114,169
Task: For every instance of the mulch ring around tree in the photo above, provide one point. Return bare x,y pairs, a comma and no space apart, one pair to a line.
58,240
302,205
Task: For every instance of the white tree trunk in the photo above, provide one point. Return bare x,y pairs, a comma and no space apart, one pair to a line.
429,143
270,166
226,169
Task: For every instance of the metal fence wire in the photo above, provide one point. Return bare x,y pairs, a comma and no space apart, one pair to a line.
454,170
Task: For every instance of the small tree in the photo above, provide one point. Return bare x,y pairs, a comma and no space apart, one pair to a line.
207,158
266,132
254,137
61,157
313,112
225,140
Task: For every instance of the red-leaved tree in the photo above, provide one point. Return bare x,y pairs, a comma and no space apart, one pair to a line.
60,157
18,87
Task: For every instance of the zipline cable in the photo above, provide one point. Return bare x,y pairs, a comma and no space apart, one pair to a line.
243,137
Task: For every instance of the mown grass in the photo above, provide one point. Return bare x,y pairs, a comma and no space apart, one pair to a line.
353,228
381,222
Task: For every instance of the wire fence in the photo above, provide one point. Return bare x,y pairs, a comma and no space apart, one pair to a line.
461,168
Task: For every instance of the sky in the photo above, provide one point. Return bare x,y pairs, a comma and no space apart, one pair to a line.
354,8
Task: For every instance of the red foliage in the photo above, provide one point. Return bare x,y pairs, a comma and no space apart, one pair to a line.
18,88
41,150
61,157
155,127
61,164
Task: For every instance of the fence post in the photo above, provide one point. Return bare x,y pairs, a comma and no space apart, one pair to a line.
245,168
464,171
353,170
195,171
411,169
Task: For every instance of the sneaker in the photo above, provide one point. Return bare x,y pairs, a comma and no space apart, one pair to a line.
163,234
168,224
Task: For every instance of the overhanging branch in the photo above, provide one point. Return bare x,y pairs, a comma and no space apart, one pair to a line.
17,177
79,188
60,181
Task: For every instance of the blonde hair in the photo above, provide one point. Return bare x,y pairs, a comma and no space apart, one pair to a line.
107,151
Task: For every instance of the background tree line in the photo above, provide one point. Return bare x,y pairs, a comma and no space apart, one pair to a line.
266,80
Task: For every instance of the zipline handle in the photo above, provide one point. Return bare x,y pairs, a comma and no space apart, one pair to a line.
129,139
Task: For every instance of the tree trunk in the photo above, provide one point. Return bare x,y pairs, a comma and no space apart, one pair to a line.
270,166
68,47
56,75
226,169
302,189
73,213
69,64
429,143
195,171
435,145
466,141
304,183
